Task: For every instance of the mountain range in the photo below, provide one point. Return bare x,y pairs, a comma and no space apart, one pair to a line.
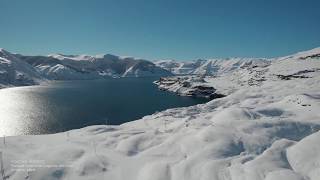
20,70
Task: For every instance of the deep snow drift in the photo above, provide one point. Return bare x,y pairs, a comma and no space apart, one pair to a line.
267,128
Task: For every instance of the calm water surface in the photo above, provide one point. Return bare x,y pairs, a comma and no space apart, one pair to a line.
65,105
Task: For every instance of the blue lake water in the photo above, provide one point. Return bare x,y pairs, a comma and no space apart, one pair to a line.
64,105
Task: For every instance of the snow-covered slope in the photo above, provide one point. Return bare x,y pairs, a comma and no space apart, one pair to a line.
312,53
211,66
295,66
14,72
267,128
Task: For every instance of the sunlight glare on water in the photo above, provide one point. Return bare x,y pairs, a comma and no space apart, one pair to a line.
61,106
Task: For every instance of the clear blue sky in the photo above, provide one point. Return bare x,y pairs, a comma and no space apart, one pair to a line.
160,29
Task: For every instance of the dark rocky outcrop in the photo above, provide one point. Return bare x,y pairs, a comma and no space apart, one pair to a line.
299,74
289,77
188,86
204,91
310,56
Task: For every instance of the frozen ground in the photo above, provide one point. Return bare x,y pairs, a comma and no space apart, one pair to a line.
267,128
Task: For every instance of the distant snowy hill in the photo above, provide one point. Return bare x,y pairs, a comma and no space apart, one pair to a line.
18,70
312,53
236,74
15,72
220,66
91,67
210,66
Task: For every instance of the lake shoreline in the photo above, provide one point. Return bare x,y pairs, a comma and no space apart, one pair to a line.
90,102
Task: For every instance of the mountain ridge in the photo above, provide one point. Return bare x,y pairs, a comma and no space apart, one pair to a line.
19,70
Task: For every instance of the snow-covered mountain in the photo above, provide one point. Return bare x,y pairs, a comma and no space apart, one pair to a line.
91,67
312,53
294,66
16,69
266,128
210,66
15,72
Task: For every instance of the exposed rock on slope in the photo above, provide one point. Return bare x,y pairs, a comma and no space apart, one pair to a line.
188,86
